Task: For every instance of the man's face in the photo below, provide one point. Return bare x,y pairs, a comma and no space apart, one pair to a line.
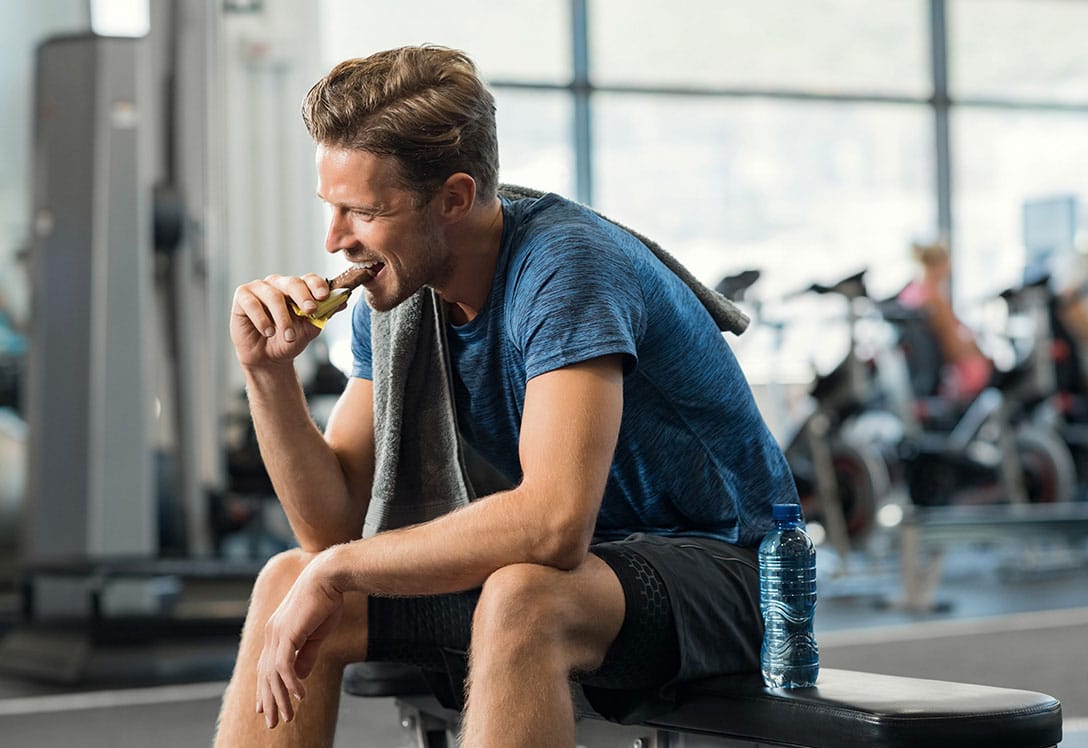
377,223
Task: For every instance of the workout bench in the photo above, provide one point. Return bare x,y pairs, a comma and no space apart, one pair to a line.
845,709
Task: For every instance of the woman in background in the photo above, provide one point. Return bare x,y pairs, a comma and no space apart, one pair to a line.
965,370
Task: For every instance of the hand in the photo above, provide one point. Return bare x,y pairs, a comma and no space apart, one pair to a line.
262,326
304,619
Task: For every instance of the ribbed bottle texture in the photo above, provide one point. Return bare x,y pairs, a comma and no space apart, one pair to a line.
789,657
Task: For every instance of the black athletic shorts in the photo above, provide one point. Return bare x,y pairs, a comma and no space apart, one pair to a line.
692,612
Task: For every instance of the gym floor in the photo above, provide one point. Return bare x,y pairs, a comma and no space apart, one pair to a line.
1003,616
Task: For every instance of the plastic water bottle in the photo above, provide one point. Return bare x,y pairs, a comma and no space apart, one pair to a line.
789,657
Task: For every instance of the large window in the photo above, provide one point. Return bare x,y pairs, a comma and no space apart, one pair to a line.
517,40
524,43
1019,50
796,188
806,139
1006,161
1018,80
816,46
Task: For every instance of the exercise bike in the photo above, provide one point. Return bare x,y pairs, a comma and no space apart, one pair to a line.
841,479
1053,391
987,450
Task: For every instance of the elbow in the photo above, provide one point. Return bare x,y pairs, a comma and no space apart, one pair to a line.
316,540
568,557
313,544
564,545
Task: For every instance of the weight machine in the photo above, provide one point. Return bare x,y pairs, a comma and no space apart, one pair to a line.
122,385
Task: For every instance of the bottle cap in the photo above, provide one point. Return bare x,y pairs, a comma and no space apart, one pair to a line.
786,512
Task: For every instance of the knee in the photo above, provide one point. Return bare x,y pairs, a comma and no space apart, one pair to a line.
278,574
520,605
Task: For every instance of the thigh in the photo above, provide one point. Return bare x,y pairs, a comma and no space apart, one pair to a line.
434,632
692,612
713,590
579,610
585,605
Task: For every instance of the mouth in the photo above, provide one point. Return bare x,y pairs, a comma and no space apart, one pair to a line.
371,270
358,274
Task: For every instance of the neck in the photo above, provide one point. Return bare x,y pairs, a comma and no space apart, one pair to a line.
475,244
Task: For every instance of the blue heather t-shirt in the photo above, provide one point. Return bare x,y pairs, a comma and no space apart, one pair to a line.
694,456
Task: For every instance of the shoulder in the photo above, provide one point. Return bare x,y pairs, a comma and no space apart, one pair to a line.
554,227
546,208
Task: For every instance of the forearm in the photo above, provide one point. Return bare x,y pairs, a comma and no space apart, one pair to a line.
548,519
306,474
458,551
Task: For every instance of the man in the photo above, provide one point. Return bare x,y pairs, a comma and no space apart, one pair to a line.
586,373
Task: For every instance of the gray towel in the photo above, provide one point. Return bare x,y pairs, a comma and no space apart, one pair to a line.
418,463
422,468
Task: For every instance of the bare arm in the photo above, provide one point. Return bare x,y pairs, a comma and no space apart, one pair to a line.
569,431
568,436
322,483
955,340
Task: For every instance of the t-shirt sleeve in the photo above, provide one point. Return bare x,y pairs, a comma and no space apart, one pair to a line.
360,341
575,298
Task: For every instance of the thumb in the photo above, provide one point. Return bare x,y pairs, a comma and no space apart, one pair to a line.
306,658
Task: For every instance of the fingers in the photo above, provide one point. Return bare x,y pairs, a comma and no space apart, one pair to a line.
292,636
266,701
319,287
304,664
249,304
274,701
305,290
281,697
267,303
277,683
288,683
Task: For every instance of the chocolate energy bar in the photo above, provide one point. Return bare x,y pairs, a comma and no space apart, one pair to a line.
341,287
351,278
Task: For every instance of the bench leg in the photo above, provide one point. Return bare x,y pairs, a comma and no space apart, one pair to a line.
426,724
593,733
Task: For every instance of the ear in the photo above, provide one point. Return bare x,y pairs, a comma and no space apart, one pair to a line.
457,196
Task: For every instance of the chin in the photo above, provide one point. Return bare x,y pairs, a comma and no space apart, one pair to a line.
384,303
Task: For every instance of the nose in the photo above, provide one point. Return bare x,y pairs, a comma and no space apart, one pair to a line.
339,236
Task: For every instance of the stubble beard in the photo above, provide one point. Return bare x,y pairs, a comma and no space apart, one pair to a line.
430,266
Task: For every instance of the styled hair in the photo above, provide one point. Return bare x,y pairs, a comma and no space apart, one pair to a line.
425,107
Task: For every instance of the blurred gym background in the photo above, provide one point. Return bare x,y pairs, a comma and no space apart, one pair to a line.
792,153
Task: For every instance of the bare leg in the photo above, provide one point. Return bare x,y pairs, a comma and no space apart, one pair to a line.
315,718
532,627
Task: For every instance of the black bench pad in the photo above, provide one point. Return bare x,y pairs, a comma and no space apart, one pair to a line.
384,679
846,708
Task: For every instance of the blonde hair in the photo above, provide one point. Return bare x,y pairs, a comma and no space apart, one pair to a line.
930,254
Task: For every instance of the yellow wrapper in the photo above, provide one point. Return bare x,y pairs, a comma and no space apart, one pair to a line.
325,308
